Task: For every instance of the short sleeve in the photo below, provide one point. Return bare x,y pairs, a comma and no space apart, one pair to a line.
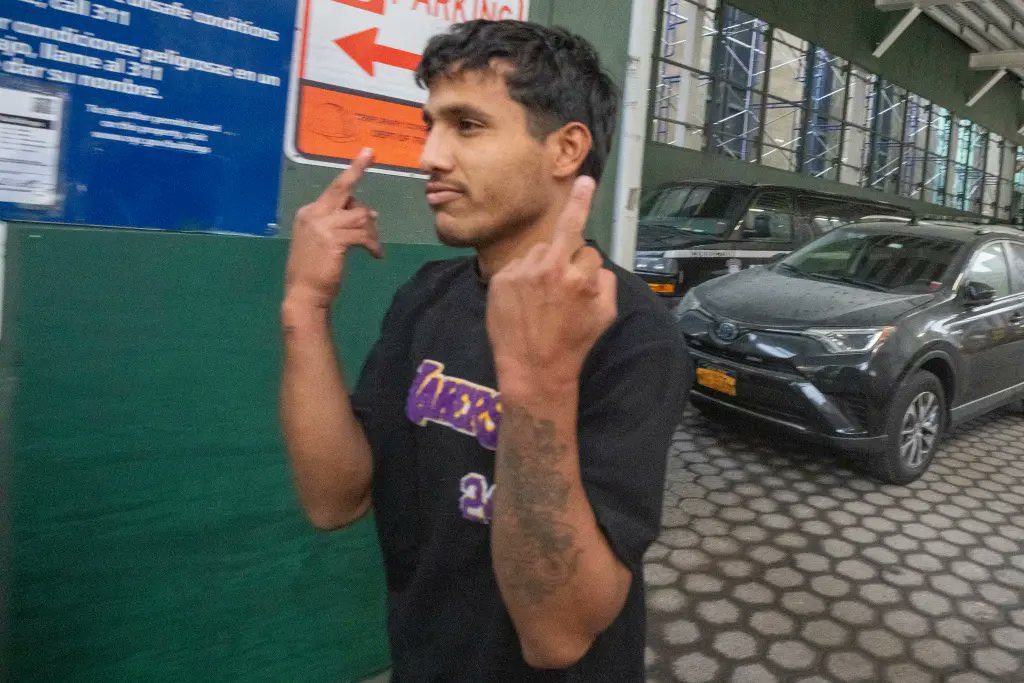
630,406
378,399
378,392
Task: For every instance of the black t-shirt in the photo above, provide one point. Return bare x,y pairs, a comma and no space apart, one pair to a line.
428,404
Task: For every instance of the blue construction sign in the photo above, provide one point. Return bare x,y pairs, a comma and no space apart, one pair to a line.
144,113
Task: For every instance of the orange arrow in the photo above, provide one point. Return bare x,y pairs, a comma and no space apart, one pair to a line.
364,50
375,6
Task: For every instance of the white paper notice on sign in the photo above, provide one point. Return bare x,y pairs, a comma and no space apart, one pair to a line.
353,85
30,135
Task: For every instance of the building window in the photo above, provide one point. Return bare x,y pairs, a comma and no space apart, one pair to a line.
1017,202
969,166
739,59
886,119
856,133
822,146
1007,169
993,165
937,160
784,108
682,88
915,146
726,82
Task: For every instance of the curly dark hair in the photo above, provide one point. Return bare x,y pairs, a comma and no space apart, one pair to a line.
554,74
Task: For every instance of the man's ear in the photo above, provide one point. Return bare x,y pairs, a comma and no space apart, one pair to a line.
569,147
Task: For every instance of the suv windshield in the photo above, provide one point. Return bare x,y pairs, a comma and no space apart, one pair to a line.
888,261
697,209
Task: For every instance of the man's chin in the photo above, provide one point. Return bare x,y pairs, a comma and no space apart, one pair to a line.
456,241
448,233
455,233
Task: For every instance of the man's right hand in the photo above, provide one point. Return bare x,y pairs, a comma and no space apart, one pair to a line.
323,233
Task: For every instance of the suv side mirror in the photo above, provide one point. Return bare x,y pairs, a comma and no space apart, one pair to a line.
761,227
978,293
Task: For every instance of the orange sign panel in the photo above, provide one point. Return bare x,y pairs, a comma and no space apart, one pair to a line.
336,125
353,85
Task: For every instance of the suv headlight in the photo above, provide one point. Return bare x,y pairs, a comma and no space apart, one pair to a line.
841,340
657,264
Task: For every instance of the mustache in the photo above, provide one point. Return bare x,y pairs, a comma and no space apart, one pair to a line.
435,182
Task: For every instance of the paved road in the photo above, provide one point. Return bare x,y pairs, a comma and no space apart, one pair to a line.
779,562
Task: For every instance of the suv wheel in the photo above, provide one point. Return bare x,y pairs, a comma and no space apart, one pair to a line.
917,418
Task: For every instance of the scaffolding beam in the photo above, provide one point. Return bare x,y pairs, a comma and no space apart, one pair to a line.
998,76
895,5
897,31
999,59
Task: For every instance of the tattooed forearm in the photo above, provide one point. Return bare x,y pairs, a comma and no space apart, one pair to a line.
535,553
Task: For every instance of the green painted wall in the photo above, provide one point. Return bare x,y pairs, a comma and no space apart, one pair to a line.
606,25
665,163
405,217
149,526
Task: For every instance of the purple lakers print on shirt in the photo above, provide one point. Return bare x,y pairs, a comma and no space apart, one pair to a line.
467,408
475,503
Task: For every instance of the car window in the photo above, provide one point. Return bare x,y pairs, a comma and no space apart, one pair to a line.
828,213
699,209
769,219
804,233
904,261
822,213
989,266
890,261
1016,254
811,205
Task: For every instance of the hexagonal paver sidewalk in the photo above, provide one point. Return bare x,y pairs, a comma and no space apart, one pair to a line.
779,562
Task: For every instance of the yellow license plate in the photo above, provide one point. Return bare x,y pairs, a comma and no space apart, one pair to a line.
662,288
717,380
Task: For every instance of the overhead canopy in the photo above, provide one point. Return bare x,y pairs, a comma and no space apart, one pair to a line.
993,28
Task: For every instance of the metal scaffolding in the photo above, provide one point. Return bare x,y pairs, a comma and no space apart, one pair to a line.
667,91
823,140
741,56
805,110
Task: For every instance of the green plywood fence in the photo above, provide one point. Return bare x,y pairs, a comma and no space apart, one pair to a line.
155,533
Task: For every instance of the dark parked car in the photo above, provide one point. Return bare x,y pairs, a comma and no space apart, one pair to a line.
874,338
694,231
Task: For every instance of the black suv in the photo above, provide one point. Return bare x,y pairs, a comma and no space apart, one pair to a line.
875,338
695,231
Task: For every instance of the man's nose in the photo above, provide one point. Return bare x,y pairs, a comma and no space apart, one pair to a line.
435,156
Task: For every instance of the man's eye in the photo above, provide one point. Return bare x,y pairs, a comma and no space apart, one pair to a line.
469,126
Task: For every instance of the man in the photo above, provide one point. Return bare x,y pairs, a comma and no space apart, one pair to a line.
511,425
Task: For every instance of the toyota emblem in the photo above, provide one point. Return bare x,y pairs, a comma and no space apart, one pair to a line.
727,331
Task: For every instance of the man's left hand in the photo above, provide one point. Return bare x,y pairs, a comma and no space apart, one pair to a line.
546,310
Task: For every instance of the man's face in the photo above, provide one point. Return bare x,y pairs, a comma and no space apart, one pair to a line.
488,178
